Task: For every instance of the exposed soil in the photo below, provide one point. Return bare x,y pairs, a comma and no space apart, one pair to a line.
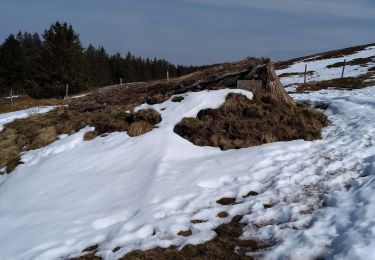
241,122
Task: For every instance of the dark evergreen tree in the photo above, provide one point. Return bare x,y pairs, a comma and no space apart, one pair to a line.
12,65
62,62
98,72
42,67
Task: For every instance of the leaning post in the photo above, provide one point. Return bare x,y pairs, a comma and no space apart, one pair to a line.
304,77
343,69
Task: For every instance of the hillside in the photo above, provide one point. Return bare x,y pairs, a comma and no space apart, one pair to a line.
91,189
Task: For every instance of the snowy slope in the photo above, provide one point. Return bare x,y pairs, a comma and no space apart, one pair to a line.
138,193
9,117
320,70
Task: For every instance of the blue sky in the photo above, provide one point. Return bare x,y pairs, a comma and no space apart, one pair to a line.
202,31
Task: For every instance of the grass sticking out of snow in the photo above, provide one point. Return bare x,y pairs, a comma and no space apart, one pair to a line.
37,131
241,122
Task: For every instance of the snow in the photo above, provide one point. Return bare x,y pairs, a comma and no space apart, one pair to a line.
79,95
321,72
114,190
9,117
138,193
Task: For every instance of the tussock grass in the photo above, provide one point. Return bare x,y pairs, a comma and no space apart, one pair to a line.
25,102
40,130
139,128
358,61
226,245
241,122
340,83
322,56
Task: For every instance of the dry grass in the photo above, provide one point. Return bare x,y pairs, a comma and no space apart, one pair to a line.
226,245
177,99
341,83
241,122
222,214
310,72
185,233
44,137
40,130
324,55
25,102
139,128
90,135
358,61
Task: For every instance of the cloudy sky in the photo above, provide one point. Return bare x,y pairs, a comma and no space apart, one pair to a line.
202,31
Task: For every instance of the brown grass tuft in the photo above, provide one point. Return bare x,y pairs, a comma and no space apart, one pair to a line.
177,99
241,122
341,83
45,136
185,233
226,245
90,135
226,201
139,128
40,130
25,102
222,214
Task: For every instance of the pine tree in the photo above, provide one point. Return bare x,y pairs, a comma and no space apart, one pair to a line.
12,65
61,59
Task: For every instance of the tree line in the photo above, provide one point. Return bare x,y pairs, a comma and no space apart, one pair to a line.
41,66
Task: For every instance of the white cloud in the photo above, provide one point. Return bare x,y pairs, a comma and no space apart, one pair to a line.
345,8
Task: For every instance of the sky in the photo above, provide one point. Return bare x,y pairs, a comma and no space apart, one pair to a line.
201,31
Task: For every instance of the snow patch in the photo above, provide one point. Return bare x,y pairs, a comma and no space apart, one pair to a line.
9,117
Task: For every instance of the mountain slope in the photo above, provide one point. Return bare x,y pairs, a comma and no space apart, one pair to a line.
303,199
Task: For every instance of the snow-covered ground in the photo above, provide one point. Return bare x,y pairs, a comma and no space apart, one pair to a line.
139,192
9,117
321,72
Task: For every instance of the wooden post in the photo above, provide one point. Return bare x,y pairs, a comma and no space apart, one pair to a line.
66,91
11,96
304,76
168,73
343,69
120,81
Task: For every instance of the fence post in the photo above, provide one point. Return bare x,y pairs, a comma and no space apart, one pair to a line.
343,69
66,91
168,72
304,76
11,96
120,81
